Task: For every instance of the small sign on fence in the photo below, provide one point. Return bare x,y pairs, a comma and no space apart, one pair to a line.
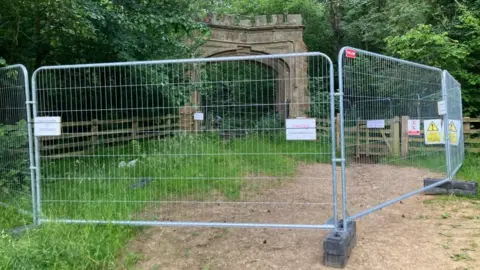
301,129
350,53
414,127
433,131
48,126
376,123
442,110
198,116
454,127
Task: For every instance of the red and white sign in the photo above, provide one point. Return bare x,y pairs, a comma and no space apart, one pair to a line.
350,53
414,127
301,129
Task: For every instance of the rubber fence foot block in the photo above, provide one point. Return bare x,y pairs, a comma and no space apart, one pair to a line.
338,246
452,187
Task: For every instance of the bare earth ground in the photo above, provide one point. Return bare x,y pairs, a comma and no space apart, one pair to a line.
413,234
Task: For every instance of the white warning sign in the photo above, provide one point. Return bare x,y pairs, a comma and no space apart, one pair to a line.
454,128
414,127
378,123
442,109
433,131
198,116
304,129
48,126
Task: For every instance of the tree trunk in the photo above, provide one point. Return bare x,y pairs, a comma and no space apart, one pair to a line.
335,19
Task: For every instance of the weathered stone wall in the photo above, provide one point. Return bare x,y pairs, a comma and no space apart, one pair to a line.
258,35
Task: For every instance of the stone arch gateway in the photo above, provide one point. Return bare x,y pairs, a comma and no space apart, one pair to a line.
260,35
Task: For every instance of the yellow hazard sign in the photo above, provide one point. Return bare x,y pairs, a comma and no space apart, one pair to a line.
432,127
454,127
432,130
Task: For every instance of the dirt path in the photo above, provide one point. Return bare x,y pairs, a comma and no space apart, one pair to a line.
409,235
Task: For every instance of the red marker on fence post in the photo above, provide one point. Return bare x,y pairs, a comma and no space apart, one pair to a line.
350,53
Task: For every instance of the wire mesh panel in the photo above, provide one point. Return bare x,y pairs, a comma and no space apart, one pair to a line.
392,132
211,142
15,173
453,93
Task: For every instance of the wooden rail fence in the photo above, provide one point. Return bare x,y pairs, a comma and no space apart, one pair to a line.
394,140
78,137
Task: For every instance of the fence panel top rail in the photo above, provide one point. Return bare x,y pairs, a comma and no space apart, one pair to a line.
186,61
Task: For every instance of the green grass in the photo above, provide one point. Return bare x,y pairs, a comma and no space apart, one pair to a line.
434,161
468,172
10,218
55,246
180,167
64,246
470,169
218,166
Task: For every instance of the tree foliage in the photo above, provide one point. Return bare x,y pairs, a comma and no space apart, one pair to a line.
461,57
42,32
444,33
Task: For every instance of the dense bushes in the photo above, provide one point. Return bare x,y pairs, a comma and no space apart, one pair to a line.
13,158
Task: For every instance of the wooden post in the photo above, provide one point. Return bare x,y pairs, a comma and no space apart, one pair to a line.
367,142
94,130
186,118
337,129
395,129
169,120
466,127
404,136
195,100
134,127
357,145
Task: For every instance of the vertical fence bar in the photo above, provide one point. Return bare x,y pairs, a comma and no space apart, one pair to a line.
333,126
31,153
14,79
342,137
38,210
446,121
462,133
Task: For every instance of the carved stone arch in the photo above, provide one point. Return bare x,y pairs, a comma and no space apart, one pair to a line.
278,65
280,34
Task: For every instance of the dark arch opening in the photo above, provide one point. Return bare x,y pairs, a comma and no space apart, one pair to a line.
245,94
281,68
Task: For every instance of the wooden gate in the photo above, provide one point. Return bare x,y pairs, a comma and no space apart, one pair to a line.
360,140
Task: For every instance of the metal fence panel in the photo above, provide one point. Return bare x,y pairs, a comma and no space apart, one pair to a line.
188,142
386,141
16,155
453,92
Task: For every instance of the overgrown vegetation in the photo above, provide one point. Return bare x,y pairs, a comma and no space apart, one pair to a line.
14,159
441,33
55,246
